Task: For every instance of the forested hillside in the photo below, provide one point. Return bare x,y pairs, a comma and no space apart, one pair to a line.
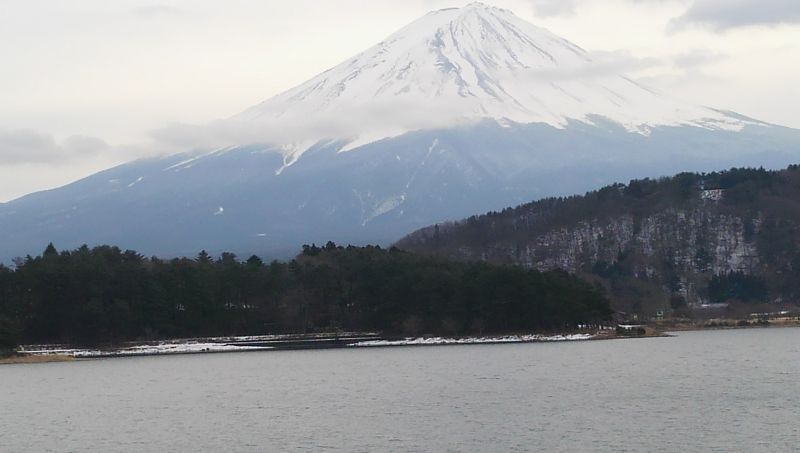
104,294
655,244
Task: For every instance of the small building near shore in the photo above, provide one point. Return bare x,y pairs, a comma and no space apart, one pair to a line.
631,329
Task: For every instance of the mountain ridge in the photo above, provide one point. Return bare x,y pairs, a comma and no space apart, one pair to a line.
657,245
356,184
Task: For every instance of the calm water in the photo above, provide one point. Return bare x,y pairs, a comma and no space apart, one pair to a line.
702,391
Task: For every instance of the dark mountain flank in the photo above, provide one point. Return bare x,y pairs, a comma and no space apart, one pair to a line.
664,244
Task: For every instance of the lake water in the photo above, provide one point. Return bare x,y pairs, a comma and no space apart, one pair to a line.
700,391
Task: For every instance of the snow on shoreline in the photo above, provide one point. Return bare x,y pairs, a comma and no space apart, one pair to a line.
228,344
143,350
475,340
177,346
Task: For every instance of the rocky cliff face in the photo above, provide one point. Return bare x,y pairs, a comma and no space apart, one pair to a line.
658,240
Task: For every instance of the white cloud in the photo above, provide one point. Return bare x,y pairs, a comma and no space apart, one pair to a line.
390,118
547,8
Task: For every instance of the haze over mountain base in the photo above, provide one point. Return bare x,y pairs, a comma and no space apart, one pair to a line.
233,200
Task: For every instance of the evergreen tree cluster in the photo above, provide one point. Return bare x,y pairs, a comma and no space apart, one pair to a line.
105,295
737,286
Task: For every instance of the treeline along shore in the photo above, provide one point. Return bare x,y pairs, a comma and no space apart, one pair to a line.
104,295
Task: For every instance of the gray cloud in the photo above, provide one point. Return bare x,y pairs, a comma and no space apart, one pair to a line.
548,8
683,69
696,58
691,77
27,146
81,145
720,15
22,146
621,61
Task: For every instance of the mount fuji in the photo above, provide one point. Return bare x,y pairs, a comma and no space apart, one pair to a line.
463,111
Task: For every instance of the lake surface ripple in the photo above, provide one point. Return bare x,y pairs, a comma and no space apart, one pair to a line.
700,391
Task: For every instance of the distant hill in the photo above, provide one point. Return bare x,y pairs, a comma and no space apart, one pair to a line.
656,244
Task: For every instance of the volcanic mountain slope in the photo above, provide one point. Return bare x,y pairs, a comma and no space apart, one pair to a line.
462,111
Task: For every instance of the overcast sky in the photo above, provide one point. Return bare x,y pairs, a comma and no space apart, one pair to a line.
85,83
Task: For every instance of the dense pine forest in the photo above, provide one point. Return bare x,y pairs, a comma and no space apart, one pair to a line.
105,295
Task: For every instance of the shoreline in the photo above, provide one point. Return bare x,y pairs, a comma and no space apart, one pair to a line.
34,359
61,353
724,324
32,354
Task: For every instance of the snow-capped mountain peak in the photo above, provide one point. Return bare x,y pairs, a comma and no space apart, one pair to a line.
460,65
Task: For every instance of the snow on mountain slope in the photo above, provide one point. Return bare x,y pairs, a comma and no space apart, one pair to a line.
457,66
464,111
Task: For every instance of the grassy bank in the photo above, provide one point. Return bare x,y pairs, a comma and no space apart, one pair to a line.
25,358
722,323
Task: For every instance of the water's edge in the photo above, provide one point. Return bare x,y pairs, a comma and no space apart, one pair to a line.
40,353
